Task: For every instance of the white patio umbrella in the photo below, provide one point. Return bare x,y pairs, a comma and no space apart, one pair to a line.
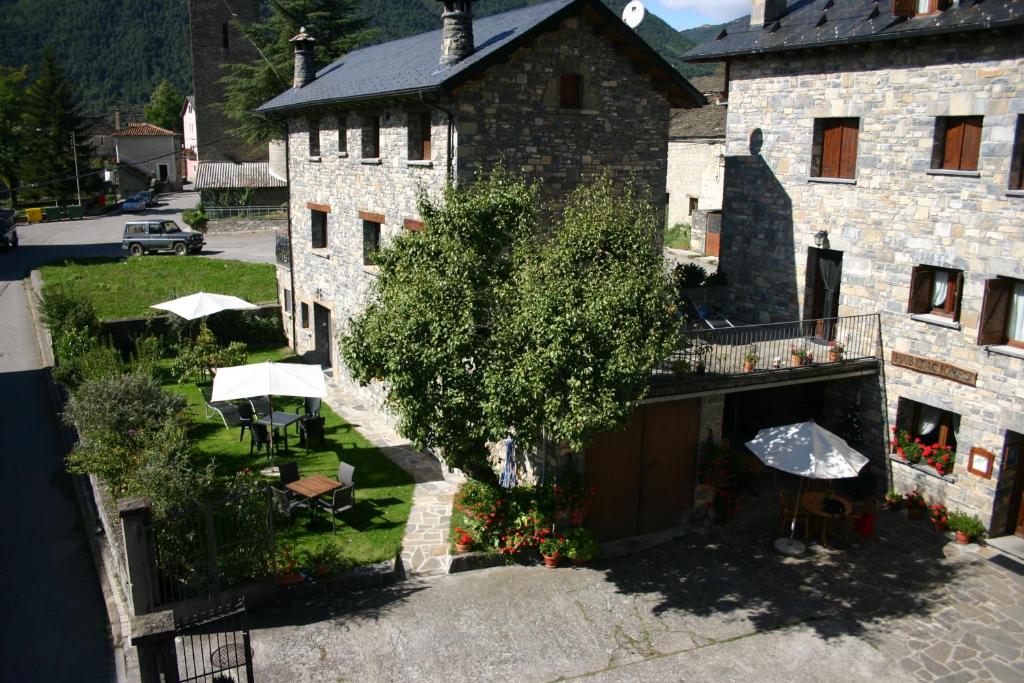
268,379
805,449
202,304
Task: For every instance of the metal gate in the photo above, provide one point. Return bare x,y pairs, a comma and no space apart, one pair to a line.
214,646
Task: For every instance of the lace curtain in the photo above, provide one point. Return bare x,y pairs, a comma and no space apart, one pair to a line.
941,288
1015,325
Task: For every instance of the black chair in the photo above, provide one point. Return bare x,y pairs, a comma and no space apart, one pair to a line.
289,473
246,416
286,505
341,499
310,429
260,439
311,407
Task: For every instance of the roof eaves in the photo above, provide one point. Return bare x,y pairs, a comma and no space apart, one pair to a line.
870,38
284,110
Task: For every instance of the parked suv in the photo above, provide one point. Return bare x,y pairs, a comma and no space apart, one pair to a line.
142,237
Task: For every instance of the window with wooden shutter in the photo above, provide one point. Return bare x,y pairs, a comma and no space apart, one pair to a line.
835,148
936,291
318,229
314,137
1017,160
371,137
342,134
571,91
995,311
419,136
933,426
958,143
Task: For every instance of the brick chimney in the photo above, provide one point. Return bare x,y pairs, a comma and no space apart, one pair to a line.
457,31
305,60
766,11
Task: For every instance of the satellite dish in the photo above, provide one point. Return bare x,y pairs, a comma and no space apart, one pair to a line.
634,13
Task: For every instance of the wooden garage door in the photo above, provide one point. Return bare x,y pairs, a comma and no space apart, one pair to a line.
644,472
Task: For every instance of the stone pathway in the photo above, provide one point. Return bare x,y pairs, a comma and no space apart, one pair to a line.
425,544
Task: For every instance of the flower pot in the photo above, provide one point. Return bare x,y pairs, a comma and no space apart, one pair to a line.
797,361
748,366
551,561
915,513
834,356
463,547
940,527
290,579
961,537
321,571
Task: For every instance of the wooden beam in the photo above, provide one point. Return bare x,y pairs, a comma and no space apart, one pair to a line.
372,217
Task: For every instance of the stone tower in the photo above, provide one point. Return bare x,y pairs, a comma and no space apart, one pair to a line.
215,41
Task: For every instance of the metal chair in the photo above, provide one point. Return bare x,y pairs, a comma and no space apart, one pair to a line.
286,505
260,405
311,429
341,499
289,473
246,415
345,473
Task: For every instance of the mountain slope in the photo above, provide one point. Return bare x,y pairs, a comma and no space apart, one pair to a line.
699,35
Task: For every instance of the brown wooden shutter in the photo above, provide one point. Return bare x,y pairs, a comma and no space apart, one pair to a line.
425,134
954,139
971,144
831,146
570,95
848,153
920,290
904,8
959,295
995,309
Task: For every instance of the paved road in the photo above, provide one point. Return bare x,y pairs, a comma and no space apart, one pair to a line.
53,622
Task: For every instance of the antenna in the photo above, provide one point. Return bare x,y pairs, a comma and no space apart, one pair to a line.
634,13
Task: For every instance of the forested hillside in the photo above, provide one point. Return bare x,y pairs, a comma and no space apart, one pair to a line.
117,51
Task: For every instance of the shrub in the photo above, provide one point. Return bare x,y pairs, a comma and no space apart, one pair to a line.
62,310
687,275
122,410
146,356
582,544
196,218
966,524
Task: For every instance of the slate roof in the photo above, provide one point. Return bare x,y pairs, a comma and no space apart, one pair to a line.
410,66
135,130
215,175
703,122
820,23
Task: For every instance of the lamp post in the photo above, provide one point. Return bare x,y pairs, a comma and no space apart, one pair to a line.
74,153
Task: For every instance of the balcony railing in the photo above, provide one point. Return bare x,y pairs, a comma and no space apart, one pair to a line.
776,347
282,250
259,212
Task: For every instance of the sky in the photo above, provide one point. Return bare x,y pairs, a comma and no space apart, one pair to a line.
689,13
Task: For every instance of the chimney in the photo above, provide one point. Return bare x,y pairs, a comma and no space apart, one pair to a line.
117,118
305,60
457,31
766,11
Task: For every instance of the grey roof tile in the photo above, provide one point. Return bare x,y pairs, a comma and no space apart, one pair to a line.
215,175
820,23
412,64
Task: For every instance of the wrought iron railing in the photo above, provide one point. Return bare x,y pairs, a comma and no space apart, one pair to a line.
773,347
222,212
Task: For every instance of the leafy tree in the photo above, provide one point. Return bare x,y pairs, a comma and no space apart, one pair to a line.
582,322
337,28
12,93
427,328
52,115
485,324
164,108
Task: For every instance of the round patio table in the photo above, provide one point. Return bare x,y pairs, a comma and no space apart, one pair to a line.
814,503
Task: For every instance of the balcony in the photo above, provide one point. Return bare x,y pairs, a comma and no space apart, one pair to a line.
708,359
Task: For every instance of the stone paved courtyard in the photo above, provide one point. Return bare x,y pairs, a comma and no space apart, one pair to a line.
712,605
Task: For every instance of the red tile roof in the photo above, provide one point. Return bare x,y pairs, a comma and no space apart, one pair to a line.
142,129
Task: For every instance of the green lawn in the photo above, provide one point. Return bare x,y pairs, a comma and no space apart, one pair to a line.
678,236
371,531
127,288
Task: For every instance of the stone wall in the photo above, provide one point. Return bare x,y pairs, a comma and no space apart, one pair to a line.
696,169
511,115
895,215
229,225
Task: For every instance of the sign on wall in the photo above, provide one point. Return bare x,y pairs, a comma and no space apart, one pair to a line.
980,462
934,367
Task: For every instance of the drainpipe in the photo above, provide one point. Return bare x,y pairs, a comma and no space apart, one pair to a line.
291,243
449,168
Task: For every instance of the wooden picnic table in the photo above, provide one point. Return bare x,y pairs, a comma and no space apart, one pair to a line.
314,485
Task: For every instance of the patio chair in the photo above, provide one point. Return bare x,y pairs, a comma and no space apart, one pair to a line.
246,414
228,412
260,439
312,429
863,518
260,405
311,407
345,473
341,499
289,473
788,509
286,505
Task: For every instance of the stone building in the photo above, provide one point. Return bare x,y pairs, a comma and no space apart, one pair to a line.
563,91
874,158
190,141
146,154
696,161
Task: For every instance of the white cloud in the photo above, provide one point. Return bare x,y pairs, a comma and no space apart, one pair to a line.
714,10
